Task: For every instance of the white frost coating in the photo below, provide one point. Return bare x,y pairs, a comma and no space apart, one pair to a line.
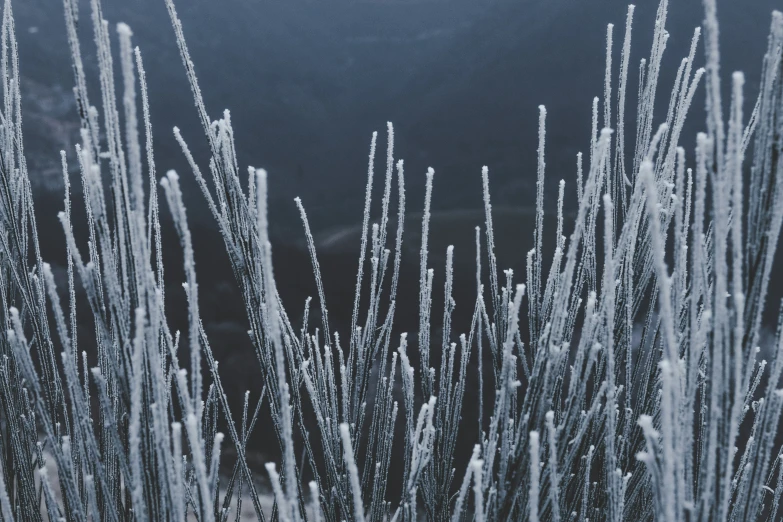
353,473
535,472
636,381
478,493
273,319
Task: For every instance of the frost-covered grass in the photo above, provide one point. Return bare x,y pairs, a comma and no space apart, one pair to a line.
622,378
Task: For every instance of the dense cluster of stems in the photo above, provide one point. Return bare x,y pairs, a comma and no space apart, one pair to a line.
627,376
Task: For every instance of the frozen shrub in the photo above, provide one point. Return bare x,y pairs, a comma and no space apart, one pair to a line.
624,371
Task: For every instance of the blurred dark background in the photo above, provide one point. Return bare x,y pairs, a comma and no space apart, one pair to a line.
308,81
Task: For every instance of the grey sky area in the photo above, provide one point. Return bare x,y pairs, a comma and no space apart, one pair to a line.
307,83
